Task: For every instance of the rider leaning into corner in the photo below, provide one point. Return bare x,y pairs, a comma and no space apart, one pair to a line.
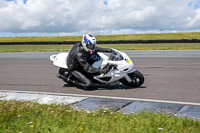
77,61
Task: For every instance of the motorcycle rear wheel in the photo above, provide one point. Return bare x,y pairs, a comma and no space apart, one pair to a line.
136,77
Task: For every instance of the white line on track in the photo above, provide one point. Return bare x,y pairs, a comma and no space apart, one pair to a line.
107,97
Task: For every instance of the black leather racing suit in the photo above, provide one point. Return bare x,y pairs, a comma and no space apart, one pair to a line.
78,66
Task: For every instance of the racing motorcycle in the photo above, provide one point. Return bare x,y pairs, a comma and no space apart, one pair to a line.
121,68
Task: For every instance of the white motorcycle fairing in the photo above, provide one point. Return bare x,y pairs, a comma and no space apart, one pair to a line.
60,60
121,64
124,66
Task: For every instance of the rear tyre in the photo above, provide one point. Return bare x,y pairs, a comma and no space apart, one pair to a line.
136,77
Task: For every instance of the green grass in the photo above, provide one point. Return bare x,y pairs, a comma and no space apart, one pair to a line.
29,117
163,36
40,48
161,46
34,48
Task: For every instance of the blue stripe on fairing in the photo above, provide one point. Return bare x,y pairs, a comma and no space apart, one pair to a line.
87,40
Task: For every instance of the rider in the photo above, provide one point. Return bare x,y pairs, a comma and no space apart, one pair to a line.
77,61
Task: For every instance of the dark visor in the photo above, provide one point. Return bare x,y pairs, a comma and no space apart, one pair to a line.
90,46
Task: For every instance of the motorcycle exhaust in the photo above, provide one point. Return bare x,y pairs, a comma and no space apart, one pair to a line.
61,77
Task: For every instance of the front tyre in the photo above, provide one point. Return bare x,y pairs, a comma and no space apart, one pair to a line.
136,77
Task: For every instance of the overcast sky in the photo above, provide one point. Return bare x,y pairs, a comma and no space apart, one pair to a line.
75,17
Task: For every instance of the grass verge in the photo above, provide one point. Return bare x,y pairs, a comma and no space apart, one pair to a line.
44,48
29,117
157,36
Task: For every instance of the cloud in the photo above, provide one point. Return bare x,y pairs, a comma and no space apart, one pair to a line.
98,16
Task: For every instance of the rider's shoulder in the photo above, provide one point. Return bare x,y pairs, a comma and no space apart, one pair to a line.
81,54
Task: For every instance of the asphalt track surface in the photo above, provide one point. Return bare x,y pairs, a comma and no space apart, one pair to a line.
168,76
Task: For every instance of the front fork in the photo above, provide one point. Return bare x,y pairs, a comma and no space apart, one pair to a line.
127,77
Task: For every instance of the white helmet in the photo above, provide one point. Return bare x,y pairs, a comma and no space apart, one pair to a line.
88,43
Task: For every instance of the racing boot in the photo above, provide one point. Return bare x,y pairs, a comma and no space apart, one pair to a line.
69,80
78,84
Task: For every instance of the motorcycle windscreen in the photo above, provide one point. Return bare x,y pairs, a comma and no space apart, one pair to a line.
115,56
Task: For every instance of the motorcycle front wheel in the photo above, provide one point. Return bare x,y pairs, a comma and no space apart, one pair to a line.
136,77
